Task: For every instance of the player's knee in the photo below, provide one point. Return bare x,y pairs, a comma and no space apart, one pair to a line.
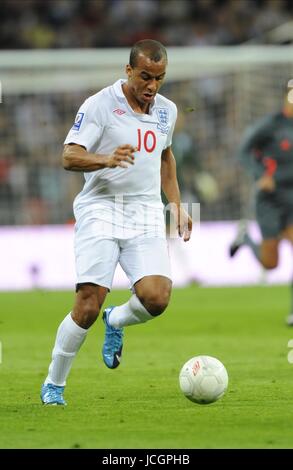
269,254
157,300
86,310
90,312
270,263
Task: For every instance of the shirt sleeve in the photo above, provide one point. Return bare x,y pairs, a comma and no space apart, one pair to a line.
172,126
88,127
251,150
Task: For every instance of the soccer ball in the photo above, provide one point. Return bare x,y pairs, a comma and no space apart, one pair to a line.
203,379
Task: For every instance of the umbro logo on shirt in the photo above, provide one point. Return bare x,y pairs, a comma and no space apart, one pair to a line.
119,111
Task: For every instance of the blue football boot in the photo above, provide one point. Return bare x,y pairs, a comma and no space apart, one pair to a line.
52,395
113,343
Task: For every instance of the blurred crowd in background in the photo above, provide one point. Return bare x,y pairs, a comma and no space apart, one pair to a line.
120,23
35,189
212,111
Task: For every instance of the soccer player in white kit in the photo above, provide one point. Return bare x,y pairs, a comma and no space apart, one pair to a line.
121,140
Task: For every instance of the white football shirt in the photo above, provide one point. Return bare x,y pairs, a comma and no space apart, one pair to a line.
106,121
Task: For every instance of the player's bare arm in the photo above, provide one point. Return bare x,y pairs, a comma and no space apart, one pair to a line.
171,190
76,158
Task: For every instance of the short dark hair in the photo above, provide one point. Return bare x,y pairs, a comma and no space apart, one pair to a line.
152,49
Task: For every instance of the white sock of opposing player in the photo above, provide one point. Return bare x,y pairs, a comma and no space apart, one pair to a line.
69,339
131,313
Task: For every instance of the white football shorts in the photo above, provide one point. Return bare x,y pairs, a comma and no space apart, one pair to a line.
98,251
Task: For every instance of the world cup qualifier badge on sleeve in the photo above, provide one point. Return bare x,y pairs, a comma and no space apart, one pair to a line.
163,117
78,121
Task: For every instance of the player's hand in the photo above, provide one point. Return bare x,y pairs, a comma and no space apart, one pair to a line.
183,223
122,156
266,183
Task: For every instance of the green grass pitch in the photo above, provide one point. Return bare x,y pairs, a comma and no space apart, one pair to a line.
140,405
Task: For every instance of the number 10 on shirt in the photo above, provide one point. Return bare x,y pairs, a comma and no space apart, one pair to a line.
148,139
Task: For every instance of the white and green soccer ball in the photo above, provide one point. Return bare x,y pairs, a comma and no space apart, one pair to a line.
203,379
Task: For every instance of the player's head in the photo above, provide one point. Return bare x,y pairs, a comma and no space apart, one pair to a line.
288,99
150,48
146,69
